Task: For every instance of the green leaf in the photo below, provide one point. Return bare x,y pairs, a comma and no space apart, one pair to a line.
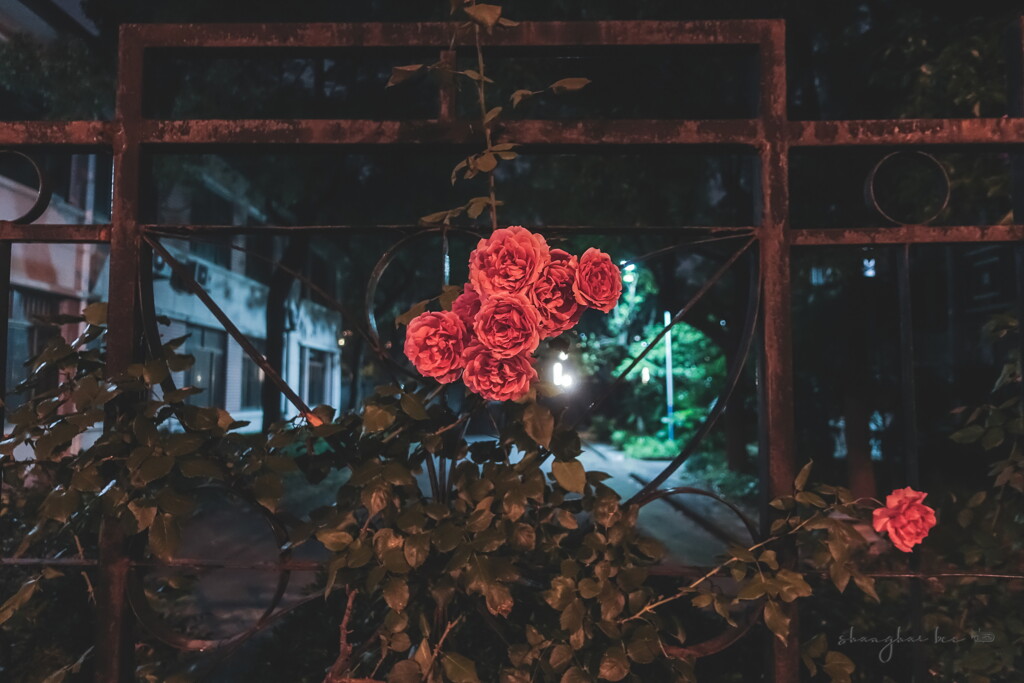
568,85
993,438
838,666
569,475
164,536
519,95
492,114
18,600
60,504
376,418
451,292
412,405
801,479
968,434
334,539
485,15
416,308
96,314
396,594
645,645
614,665
840,575
144,513
405,671
776,620
539,424
486,162
458,668
400,74
808,498
866,584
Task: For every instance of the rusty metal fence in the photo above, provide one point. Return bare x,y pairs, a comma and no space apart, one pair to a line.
771,136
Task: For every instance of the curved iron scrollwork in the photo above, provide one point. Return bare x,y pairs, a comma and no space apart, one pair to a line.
44,193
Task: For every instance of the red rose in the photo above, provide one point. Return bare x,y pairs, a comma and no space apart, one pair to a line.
553,296
598,281
905,518
509,261
466,305
434,343
498,379
507,324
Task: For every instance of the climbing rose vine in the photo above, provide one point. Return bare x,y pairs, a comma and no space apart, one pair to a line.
520,291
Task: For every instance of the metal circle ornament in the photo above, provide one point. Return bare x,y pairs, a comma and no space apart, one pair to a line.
228,588
43,190
908,187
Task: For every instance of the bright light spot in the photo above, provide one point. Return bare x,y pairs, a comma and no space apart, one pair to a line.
559,377
199,378
562,355
645,375
631,267
341,341
629,277
869,267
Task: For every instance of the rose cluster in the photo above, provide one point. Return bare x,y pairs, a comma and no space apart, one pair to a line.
520,291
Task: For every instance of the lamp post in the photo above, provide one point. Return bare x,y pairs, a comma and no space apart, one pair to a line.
669,401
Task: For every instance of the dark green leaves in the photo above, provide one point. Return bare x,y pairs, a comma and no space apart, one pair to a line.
776,620
396,594
485,15
459,669
539,423
569,475
164,536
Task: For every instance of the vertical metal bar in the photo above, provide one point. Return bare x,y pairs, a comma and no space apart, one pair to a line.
446,111
1015,86
777,371
114,650
669,389
908,383
5,317
908,388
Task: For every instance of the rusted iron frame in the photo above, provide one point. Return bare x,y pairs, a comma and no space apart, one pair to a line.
772,136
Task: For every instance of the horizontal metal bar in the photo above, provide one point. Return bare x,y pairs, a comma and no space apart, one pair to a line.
86,133
35,232
919,234
405,34
430,131
184,231
906,132
184,562
748,132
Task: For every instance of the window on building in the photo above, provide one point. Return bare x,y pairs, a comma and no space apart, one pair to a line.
252,378
28,332
209,348
316,369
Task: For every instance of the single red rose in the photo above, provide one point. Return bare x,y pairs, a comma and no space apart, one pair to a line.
508,261
905,518
598,281
498,379
553,296
466,305
434,343
507,324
